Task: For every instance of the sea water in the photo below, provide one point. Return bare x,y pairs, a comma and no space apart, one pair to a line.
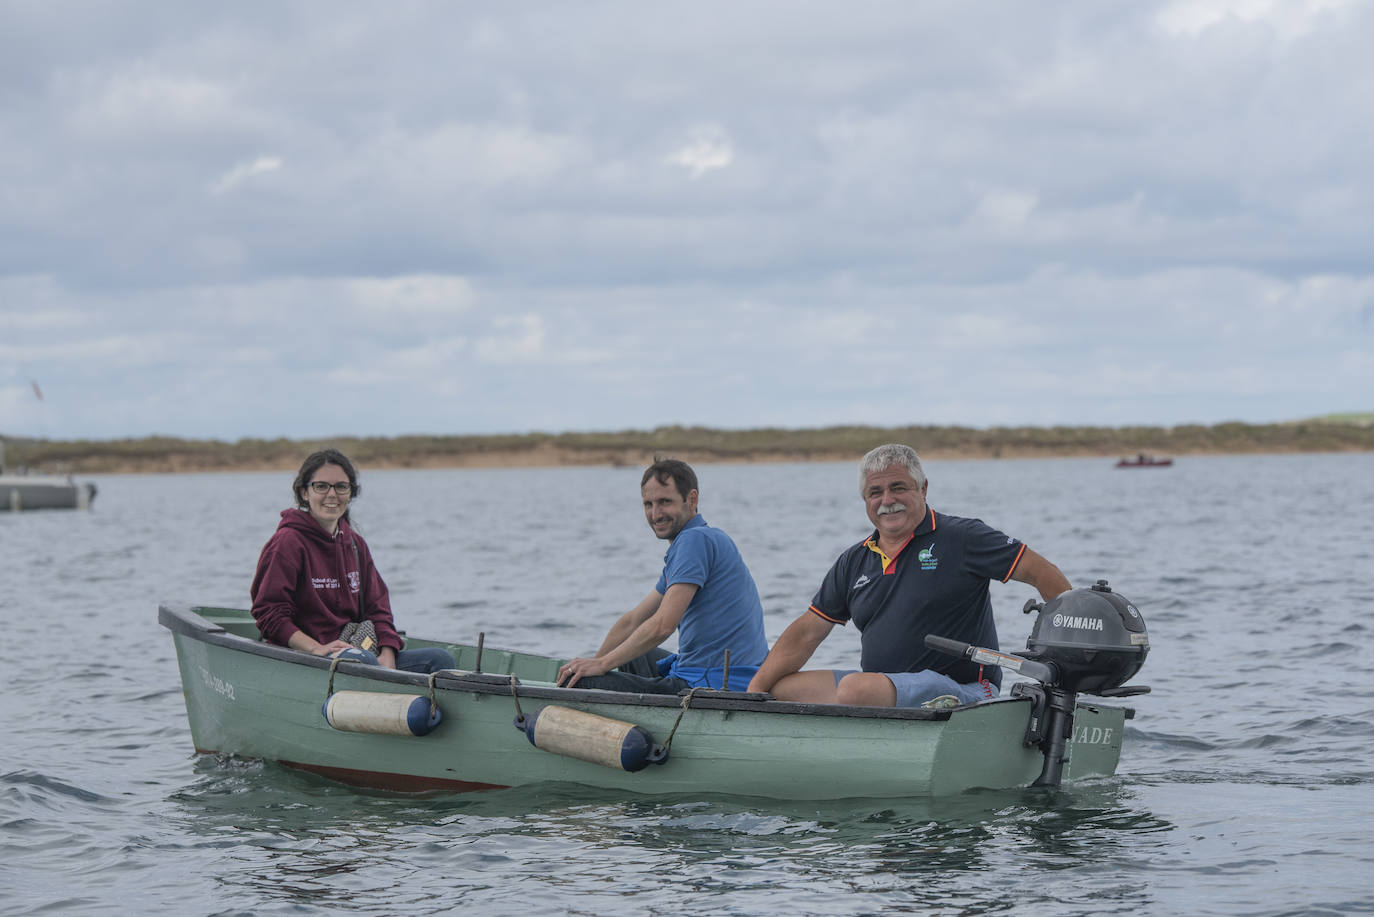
1244,785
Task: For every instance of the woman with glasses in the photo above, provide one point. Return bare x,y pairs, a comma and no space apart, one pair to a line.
315,576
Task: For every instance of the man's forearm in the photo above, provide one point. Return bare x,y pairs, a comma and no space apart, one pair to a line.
656,627
626,624
796,645
643,638
620,632
1047,579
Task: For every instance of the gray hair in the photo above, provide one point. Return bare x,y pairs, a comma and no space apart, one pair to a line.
884,457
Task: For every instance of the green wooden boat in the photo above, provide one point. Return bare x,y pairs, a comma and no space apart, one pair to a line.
252,699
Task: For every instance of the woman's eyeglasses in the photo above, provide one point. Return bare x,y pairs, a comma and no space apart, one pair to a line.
343,488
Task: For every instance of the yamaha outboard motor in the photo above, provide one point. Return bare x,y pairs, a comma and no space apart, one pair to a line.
1087,641
1094,638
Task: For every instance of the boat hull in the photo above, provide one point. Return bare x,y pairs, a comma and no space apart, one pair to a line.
22,492
246,698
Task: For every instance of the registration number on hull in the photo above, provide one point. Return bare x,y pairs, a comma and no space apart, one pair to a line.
218,685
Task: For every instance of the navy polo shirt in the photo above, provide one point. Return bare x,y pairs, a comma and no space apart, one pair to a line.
936,584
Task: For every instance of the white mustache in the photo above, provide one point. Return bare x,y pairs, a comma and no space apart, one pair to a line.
889,508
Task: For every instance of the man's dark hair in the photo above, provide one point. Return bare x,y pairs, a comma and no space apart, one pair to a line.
664,470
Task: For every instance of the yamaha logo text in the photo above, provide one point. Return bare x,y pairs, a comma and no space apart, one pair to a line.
1078,622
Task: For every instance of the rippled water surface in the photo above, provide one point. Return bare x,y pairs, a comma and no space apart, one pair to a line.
1244,786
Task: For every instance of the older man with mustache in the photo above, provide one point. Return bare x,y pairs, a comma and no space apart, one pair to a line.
920,572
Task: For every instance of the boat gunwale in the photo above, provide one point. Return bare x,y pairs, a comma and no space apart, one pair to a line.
184,619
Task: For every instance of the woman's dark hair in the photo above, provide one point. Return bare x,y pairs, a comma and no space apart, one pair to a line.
679,472
313,463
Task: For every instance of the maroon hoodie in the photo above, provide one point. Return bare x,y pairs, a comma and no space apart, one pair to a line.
308,581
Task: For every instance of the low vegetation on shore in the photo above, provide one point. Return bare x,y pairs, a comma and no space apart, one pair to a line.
1338,433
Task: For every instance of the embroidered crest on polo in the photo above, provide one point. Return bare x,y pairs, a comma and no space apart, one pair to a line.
861,581
927,558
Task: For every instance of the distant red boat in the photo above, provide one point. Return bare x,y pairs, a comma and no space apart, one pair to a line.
1145,461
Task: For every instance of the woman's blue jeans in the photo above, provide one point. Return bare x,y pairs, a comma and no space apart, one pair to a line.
425,660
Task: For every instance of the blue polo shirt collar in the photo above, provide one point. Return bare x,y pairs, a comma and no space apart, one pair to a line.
691,524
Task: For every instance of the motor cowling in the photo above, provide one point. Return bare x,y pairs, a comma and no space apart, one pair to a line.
1094,638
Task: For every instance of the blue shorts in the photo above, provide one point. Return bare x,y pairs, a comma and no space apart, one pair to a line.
915,688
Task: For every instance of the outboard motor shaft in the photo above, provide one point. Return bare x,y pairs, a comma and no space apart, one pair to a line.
1085,641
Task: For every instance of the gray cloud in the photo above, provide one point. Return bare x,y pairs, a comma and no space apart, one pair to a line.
304,219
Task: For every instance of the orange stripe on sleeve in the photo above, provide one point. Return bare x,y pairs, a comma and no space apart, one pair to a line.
1015,562
826,616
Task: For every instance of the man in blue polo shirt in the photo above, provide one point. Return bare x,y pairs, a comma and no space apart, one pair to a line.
705,592
920,572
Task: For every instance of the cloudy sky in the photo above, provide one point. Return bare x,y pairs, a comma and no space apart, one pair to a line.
317,218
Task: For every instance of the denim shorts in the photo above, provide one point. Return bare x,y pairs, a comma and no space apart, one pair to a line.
915,688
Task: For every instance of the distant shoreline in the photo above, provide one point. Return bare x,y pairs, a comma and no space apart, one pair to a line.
700,445
543,459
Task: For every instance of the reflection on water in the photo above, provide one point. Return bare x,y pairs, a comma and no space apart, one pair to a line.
316,841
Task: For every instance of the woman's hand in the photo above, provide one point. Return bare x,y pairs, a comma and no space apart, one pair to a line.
574,670
331,649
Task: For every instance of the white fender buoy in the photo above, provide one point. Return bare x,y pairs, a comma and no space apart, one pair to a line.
381,714
588,737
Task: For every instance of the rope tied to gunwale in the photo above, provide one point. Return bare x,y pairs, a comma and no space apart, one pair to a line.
662,750
519,714
433,677
333,665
